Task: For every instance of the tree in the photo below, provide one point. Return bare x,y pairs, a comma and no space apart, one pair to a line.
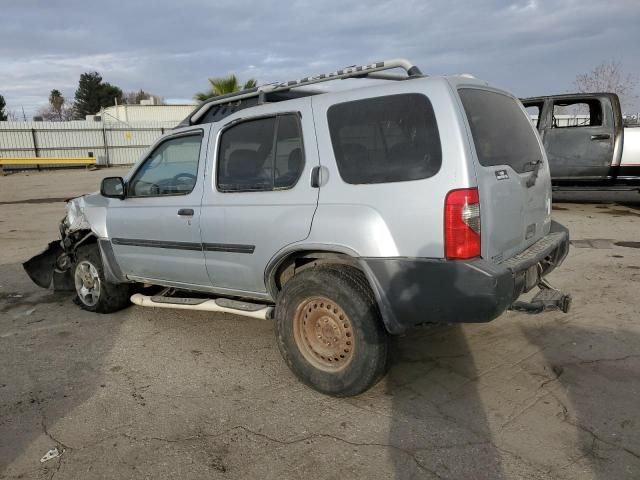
3,114
58,110
133,97
48,114
222,86
93,94
56,103
608,77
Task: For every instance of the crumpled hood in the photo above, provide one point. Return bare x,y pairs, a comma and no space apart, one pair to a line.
87,212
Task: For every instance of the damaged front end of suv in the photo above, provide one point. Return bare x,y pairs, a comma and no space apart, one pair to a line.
52,267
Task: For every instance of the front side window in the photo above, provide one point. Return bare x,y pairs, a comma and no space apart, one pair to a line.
260,155
171,169
385,139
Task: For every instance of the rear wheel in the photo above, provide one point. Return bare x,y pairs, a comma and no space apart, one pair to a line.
329,330
93,292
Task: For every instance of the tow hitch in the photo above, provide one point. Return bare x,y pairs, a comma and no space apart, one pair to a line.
548,298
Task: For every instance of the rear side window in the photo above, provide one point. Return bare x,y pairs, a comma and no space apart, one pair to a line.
385,139
577,113
502,133
261,155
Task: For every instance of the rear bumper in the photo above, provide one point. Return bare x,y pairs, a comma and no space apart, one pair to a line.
411,291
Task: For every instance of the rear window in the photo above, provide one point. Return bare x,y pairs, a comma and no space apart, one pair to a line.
385,139
502,133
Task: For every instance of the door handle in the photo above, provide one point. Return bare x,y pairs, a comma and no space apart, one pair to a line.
315,177
186,212
601,136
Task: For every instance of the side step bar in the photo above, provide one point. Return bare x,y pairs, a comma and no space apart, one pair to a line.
224,305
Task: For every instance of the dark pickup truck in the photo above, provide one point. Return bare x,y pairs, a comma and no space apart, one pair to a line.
587,143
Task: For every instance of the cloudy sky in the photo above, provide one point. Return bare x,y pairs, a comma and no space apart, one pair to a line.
171,47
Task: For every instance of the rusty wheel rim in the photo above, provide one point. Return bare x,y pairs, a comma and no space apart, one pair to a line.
324,334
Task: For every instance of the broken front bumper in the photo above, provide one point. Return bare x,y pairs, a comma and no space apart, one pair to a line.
50,268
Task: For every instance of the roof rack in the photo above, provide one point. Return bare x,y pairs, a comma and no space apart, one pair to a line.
371,70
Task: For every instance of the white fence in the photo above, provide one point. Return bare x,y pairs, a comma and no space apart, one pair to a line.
110,144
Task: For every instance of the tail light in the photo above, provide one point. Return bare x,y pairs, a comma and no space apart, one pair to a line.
462,224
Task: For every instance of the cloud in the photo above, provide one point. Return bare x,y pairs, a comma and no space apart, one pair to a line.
171,48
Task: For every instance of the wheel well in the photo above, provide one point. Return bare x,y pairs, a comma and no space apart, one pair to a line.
78,238
299,261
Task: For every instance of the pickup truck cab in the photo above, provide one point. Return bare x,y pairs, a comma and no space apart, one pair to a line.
347,215
586,141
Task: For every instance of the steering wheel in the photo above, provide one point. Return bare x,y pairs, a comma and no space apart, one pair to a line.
177,178
181,177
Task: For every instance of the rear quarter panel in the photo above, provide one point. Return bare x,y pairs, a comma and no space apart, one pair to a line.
391,219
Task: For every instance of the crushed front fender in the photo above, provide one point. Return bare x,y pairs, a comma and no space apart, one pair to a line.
52,267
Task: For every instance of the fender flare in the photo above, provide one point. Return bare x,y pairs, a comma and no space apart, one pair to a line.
386,312
110,266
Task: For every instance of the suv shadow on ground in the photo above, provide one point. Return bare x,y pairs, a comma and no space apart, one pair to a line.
55,363
593,376
557,401
437,411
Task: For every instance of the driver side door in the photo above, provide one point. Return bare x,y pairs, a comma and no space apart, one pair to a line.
155,230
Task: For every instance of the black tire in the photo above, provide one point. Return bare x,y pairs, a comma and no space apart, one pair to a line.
111,297
315,301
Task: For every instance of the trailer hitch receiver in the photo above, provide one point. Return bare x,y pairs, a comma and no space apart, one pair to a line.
548,298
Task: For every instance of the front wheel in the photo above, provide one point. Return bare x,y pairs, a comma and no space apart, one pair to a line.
329,330
93,292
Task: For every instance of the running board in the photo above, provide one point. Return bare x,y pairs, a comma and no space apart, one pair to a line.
223,305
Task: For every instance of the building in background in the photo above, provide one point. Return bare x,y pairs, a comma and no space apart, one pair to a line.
117,135
146,111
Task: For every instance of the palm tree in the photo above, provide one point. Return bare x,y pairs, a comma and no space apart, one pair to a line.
224,85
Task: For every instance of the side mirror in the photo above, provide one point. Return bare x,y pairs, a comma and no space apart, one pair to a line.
112,187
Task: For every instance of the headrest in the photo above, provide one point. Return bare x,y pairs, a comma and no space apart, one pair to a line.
355,153
244,163
295,160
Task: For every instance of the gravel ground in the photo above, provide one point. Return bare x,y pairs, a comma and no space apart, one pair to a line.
172,394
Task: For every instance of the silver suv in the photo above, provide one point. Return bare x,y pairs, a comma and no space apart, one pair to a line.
346,215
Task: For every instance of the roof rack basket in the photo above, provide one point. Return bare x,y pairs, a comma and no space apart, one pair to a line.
370,70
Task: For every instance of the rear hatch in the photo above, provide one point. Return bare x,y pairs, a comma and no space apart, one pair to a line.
512,173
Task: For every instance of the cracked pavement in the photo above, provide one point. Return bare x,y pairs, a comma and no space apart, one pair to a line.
175,394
